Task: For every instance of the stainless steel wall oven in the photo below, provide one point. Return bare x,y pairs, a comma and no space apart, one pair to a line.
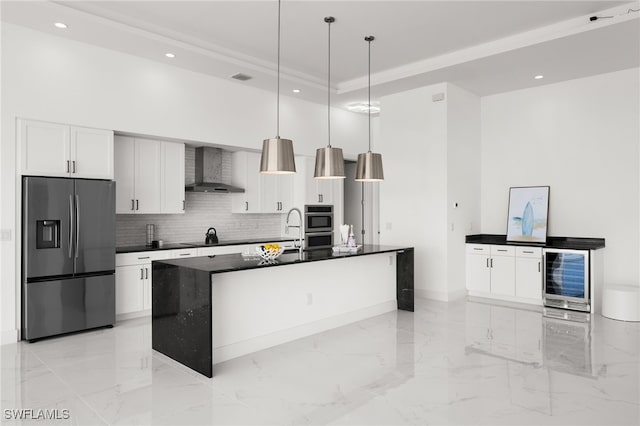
318,229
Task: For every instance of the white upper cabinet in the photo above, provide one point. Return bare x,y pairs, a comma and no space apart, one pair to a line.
320,191
245,173
172,195
60,150
276,193
149,176
91,153
124,167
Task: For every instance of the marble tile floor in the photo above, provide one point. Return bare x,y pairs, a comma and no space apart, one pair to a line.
465,362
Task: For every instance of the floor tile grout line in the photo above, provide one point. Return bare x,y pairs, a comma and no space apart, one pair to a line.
71,388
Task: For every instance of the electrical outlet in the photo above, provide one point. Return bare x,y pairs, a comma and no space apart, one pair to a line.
5,234
309,299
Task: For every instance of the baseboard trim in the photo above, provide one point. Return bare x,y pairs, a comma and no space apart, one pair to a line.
245,347
442,296
9,336
133,315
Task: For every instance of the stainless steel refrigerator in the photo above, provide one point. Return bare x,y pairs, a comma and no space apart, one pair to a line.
68,255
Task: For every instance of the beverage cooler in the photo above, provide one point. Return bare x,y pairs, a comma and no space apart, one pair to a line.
566,279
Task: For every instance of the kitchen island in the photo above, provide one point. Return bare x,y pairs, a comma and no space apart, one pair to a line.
210,309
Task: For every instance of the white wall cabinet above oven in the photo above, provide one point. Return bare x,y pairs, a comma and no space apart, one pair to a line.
149,176
61,150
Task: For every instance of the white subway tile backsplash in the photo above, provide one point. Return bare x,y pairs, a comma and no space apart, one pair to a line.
202,211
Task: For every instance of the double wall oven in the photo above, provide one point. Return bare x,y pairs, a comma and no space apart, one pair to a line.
318,226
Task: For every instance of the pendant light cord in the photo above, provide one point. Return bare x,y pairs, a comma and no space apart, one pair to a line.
278,96
328,21
369,39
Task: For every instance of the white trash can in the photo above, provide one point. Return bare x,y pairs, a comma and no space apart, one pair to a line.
621,302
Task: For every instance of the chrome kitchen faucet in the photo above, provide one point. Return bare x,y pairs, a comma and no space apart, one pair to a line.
287,226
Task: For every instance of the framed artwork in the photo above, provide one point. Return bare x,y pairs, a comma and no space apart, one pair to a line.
528,211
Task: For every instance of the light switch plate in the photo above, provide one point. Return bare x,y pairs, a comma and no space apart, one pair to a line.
5,234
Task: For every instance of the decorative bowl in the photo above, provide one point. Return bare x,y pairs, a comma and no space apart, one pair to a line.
269,251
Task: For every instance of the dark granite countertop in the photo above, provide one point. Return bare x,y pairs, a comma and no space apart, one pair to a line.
174,246
235,262
552,242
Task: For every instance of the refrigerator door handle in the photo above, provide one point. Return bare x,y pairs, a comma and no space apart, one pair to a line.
71,220
77,223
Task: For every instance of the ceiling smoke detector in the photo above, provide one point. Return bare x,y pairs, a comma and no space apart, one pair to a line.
241,77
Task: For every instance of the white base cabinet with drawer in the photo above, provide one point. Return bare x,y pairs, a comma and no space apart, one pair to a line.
133,282
504,272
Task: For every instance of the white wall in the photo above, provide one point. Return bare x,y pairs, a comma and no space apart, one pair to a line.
580,137
413,195
463,181
55,79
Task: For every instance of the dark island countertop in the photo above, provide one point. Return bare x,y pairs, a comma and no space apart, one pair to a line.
552,242
175,246
235,262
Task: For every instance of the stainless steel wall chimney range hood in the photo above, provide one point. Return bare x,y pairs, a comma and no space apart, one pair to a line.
209,172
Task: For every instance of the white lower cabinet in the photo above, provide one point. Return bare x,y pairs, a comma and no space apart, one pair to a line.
131,288
529,272
133,282
505,272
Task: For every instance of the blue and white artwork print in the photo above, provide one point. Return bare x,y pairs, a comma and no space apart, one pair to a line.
528,211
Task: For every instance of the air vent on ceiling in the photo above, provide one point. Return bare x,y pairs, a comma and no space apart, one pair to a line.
241,77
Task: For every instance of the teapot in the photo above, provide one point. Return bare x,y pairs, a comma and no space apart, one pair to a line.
211,237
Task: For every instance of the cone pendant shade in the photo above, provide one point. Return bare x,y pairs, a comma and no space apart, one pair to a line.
277,156
329,163
369,167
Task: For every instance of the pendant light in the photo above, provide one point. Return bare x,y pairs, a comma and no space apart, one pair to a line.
329,160
277,153
369,166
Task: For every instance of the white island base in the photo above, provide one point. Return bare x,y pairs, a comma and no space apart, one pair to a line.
259,308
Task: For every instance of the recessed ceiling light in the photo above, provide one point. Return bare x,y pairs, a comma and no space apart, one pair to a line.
296,90
170,55
60,25
538,77
364,107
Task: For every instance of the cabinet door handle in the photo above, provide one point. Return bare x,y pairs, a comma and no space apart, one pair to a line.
74,165
246,206
491,263
502,250
68,169
144,257
478,248
142,273
146,273
527,251
487,262
137,204
538,266
133,204
183,205
185,254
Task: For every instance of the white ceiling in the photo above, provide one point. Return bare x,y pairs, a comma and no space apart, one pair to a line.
484,46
